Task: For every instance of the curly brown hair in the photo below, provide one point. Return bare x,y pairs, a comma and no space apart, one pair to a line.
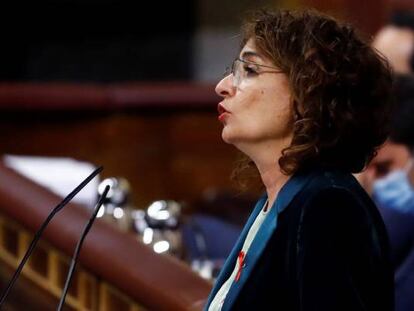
340,88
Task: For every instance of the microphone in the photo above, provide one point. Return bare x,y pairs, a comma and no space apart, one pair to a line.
39,232
78,247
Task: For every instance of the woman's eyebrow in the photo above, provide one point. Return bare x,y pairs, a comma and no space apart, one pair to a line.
249,54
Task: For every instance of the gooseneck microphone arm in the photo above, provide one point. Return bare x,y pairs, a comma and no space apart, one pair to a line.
78,247
39,232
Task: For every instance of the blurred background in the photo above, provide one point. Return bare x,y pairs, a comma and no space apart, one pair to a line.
129,86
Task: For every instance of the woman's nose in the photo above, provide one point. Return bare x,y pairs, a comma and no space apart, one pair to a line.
225,87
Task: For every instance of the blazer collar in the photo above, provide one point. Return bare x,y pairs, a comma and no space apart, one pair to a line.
292,187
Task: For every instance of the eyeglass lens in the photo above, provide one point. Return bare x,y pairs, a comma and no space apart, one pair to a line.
237,72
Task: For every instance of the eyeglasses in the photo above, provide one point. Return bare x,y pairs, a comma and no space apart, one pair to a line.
242,69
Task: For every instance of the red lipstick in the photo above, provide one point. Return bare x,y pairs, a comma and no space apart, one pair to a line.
223,113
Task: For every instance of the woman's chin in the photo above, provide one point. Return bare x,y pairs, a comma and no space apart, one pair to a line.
225,139
226,136
232,139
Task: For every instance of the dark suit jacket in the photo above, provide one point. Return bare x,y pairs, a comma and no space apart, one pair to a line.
328,251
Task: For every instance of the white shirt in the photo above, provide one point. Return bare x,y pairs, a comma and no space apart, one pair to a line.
219,298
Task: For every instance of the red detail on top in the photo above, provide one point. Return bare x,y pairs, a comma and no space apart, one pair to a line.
240,260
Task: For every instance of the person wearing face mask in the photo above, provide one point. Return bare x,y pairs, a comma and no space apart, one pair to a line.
394,195
301,103
395,41
390,175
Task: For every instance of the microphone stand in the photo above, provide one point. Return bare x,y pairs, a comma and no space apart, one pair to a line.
38,234
78,248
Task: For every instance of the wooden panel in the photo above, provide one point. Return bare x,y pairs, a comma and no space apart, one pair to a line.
171,155
401,4
84,293
164,138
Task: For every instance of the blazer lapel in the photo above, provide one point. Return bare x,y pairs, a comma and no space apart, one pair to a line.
294,185
228,266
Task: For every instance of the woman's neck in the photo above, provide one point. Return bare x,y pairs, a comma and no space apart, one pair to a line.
266,158
272,178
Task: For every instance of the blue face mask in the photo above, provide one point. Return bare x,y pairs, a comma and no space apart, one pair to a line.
394,191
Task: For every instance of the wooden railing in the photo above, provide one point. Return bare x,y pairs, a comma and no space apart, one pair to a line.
116,271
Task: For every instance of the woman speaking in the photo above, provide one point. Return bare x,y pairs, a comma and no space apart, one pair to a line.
307,102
